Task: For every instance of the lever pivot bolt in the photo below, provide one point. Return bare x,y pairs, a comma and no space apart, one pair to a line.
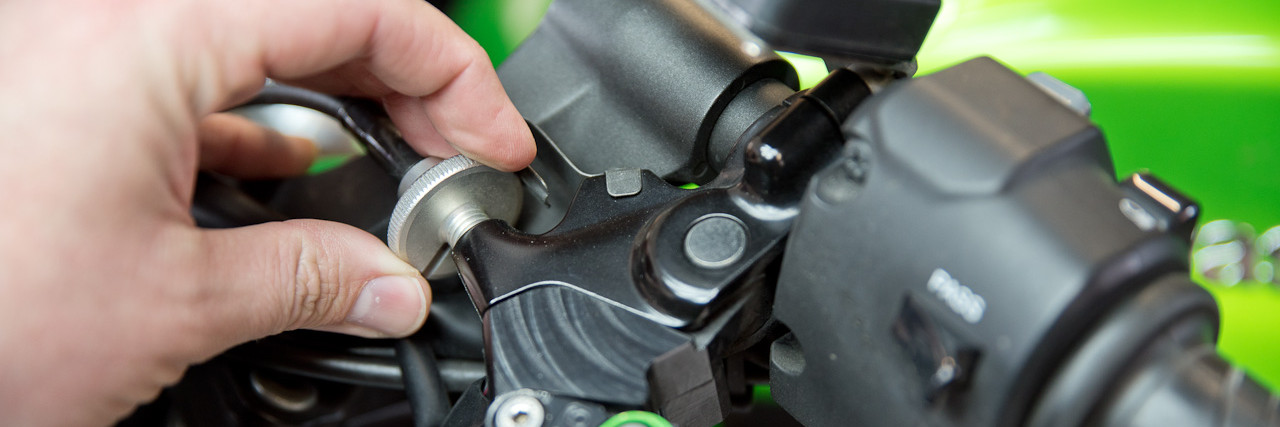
715,241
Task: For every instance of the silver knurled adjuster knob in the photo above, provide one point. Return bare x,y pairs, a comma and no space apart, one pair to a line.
444,203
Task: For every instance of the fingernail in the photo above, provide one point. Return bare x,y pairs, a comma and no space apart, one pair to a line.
392,305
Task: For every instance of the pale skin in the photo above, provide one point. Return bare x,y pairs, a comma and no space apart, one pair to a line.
108,291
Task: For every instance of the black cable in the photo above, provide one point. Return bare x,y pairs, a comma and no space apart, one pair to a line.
217,203
363,118
325,364
422,382
363,366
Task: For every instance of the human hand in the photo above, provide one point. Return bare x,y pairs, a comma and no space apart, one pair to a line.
107,289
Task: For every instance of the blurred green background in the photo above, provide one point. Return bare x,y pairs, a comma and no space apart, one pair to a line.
1186,89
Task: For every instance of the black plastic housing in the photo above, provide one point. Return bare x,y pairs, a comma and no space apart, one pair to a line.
939,271
883,31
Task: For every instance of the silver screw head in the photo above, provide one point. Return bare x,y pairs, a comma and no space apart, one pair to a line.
715,241
519,411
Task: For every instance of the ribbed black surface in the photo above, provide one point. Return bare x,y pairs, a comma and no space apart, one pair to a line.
568,343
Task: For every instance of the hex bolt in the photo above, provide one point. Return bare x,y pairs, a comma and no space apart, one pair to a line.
715,241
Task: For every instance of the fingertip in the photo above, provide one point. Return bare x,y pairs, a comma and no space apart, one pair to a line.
514,151
306,151
410,116
505,142
507,145
236,146
524,150
308,274
387,307
302,153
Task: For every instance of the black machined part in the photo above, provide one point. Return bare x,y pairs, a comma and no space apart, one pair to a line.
636,242
662,284
637,83
597,230
619,272
365,119
870,30
968,236
599,352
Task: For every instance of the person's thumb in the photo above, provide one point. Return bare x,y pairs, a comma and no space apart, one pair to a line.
311,274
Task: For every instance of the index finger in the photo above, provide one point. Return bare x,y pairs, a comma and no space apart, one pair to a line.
401,50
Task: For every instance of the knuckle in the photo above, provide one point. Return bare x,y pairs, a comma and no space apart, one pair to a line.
313,277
